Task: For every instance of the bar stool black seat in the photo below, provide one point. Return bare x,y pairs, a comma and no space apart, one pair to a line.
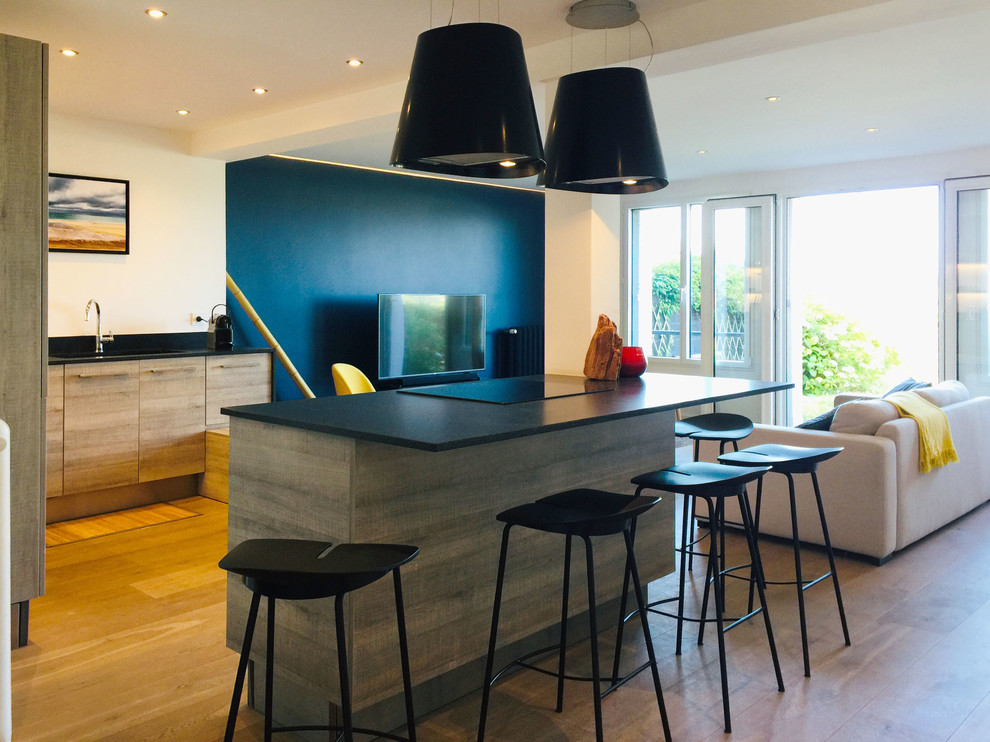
718,427
721,427
790,460
582,513
712,483
296,569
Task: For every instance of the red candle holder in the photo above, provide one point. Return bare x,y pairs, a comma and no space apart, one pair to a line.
633,361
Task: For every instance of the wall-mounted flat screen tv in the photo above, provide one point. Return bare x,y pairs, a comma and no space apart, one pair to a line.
424,334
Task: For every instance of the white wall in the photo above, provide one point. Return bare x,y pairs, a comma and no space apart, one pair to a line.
582,274
177,261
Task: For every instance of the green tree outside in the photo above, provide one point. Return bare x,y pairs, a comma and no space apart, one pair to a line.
838,356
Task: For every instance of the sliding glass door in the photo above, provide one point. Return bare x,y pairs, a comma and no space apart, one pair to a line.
737,313
967,265
701,299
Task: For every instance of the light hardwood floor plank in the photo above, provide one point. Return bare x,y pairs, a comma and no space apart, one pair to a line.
128,645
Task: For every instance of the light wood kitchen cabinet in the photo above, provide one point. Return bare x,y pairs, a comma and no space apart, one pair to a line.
172,417
236,380
113,424
24,303
54,410
101,425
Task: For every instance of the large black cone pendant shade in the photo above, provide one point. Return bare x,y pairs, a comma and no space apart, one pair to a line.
469,107
602,136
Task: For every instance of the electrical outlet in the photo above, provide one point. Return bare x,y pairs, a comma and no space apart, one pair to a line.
192,318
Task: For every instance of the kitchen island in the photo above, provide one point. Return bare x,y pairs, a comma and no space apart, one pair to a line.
409,466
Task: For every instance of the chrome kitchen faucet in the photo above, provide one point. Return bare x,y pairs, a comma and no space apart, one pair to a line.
100,337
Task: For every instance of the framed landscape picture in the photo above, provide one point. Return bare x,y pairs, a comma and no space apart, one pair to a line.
88,214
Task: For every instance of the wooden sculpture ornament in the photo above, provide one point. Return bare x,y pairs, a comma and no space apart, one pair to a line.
604,354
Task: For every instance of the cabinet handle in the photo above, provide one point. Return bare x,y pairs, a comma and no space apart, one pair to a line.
103,376
239,365
171,370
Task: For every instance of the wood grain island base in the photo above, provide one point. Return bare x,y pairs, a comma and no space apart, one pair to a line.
449,466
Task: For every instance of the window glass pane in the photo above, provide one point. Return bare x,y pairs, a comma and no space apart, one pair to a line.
694,287
657,281
864,291
731,241
973,322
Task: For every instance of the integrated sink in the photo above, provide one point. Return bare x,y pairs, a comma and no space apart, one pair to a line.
123,352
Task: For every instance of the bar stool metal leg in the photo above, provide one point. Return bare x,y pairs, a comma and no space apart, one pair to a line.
596,675
565,596
831,559
798,576
713,558
760,579
342,670
648,637
486,689
269,669
235,701
400,617
713,570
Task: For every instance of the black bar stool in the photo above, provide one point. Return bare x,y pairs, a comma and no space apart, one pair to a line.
791,460
295,569
582,513
712,483
718,427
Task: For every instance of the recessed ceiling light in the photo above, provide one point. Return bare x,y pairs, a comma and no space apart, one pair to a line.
355,62
156,13
773,99
68,52
260,91
182,112
702,151
872,130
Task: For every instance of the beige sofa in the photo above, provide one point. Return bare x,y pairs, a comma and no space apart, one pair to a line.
876,500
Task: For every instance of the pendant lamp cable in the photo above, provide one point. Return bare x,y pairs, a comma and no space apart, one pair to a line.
450,20
652,49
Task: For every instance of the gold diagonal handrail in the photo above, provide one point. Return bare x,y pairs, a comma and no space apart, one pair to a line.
269,338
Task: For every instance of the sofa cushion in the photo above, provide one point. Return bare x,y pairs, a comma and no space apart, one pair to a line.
820,422
908,385
944,393
863,416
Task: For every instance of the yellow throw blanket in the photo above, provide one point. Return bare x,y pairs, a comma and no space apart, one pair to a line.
933,429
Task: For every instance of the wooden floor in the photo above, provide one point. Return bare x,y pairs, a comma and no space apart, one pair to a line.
128,645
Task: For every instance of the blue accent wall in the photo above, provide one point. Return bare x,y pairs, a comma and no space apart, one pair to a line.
312,246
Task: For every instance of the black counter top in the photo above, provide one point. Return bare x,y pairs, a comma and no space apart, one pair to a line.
434,423
137,355
79,348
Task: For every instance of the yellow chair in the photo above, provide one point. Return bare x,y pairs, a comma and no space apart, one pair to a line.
348,379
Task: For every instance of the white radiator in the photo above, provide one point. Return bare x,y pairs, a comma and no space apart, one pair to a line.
6,722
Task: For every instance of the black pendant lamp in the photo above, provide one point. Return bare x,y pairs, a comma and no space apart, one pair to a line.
602,136
469,108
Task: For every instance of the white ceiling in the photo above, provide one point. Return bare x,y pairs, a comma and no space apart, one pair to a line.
914,69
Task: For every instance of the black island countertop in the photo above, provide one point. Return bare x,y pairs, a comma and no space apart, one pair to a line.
415,418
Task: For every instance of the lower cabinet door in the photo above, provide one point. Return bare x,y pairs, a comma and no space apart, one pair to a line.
173,417
100,425
236,380
54,409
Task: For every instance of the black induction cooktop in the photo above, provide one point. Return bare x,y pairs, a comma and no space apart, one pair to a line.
515,390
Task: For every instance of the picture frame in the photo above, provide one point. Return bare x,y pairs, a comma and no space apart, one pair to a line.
88,214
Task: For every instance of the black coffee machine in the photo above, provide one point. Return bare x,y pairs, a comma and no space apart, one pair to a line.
220,334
